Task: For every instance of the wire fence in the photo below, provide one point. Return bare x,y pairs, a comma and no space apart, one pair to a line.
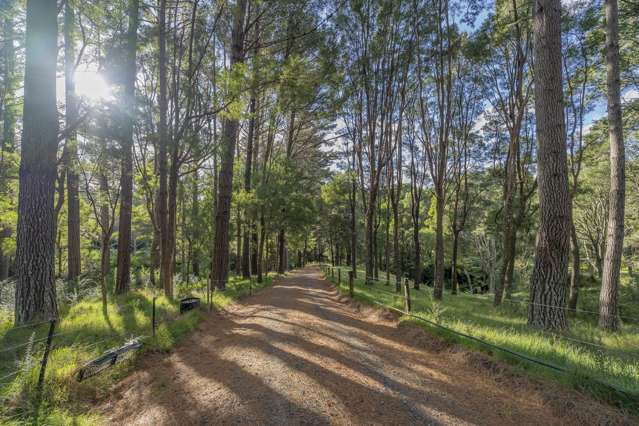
408,302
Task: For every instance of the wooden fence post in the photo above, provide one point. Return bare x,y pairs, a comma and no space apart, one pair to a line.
406,296
351,291
339,276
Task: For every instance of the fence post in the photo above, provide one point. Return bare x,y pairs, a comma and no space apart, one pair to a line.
45,359
351,292
339,276
406,296
332,273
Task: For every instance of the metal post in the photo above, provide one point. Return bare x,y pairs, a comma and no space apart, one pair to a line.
351,291
45,359
406,296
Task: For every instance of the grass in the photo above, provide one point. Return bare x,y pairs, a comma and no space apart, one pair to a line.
605,364
86,330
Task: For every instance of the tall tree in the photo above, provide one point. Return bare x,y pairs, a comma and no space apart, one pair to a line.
71,147
549,276
609,296
230,127
123,277
437,119
35,288
512,87
8,115
166,252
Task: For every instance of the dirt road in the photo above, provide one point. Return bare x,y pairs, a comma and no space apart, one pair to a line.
298,353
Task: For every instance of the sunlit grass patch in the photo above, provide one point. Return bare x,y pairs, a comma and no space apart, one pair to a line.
86,330
605,363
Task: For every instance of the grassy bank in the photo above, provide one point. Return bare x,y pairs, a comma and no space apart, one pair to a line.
85,330
603,363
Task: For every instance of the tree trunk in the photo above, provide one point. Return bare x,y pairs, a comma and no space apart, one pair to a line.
260,251
576,265
453,264
353,202
238,242
71,160
397,258
418,255
438,287
172,217
508,224
248,168
35,288
281,248
549,276
123,274
609,296
163,142
369,235
229,136
105,237
195,222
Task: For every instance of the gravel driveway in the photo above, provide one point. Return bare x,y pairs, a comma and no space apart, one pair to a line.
299,353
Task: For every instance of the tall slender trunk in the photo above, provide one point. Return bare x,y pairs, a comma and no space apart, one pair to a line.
418,256
71,160
229,136
281,255
105,237
248,168
576,265
172,212
163,142
369,235
260,251
438,288
507,221
7,109
238,242
549,276
123,274
453,264
353,202
195,221
609,296
35,288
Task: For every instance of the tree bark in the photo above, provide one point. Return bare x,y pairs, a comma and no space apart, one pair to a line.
438,288
281,248
163,142
71,160
35,288
549,276
229,136
609,296
248,168
123,274
576,265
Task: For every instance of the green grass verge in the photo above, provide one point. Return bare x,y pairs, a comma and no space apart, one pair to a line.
86,330
605,364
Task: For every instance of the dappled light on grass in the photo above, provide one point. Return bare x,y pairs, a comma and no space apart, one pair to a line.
611,358
85,331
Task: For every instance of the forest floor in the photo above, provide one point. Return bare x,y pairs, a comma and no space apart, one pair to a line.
299,353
